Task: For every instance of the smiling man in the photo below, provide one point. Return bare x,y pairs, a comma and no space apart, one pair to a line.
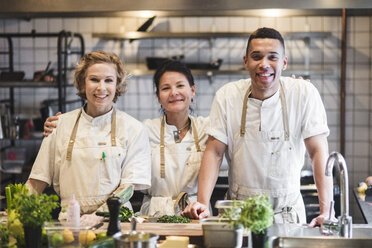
265,124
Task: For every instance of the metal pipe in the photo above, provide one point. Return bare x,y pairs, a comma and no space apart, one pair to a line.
343,83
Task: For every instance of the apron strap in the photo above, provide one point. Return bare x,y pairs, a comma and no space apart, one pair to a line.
284,112
162,156
244,112
73,137
196,137
74,131
113,127
182,201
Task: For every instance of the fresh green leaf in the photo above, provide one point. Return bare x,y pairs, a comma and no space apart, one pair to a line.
124,214
33,210
256,213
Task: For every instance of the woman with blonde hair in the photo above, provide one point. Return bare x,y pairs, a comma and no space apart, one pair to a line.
95,151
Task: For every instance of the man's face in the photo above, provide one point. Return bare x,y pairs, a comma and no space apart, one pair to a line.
265,61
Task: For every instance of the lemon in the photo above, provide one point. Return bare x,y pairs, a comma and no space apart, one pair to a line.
86,237
44,237
362,187
57,239
67,235
101,235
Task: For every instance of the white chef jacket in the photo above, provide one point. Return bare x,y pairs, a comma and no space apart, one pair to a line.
182,164
262,162
89,175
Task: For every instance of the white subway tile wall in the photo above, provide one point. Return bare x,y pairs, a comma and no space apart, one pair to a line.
33,54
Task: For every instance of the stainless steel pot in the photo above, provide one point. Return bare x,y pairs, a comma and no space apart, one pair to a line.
135,240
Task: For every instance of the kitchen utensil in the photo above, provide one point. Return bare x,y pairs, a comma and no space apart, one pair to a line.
40,75
144,26
154,62
114,204
12,75
213,65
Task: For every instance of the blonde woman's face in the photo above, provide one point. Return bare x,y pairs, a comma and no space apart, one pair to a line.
100,88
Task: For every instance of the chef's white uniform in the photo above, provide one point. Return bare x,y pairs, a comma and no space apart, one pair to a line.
97,166
182,164
262,161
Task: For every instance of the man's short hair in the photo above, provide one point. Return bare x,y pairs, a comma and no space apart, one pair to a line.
263,33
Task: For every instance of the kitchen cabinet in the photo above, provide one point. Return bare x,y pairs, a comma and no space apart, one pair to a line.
305,69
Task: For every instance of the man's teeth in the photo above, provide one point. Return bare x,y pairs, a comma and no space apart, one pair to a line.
265,75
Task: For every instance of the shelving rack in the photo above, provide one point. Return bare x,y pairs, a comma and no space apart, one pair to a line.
64,50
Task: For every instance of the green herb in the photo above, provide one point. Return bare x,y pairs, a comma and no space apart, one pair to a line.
11,190
173,219
4,235
124,214
256,213
34,210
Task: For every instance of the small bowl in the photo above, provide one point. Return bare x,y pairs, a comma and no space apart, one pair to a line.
60,234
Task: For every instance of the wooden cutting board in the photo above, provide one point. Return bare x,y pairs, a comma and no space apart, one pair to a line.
176,229
163,229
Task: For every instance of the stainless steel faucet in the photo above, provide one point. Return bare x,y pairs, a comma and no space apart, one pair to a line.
344,221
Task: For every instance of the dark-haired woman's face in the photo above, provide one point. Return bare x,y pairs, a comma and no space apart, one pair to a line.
175,93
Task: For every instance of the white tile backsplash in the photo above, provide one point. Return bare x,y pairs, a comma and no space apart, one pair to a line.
251,24
283,24
362,39
25,26
70,24
175,24
100,25
207,24
362,23
222,24
236,24
11,25
299,24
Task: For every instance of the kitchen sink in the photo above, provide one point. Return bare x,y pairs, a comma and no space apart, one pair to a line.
291,235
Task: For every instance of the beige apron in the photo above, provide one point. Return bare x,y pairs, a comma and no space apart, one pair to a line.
178,152
265,163
92,168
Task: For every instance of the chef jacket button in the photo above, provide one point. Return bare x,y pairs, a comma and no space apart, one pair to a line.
187,163
272,153
188,148
119,154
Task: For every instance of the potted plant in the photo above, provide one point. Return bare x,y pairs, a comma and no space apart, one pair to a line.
256,213
32,211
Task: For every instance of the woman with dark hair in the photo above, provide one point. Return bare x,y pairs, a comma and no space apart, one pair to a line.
177,142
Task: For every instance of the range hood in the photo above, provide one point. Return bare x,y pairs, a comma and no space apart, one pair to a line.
92,8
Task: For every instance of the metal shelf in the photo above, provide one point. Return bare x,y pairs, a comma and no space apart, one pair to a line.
30,84
27,84
296,70
202,35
